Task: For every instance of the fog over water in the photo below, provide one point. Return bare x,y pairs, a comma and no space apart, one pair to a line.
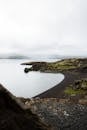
43,27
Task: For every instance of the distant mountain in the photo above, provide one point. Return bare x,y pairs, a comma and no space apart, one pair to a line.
13,56
35,56
17,57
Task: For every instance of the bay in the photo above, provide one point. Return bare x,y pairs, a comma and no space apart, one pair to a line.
28,85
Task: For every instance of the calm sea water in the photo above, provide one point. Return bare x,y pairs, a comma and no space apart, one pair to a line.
12,76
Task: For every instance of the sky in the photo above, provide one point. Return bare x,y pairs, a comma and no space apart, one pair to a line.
43,27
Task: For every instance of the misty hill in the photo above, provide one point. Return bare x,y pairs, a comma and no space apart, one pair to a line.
13,56
31,56
17,57
34,56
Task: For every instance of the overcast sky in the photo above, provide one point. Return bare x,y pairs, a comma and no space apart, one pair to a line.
43,26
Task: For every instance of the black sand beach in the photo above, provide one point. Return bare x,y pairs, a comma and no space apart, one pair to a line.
57,91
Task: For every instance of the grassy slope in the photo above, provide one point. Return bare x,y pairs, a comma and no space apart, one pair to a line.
63,65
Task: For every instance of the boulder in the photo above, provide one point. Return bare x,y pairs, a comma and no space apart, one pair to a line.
80,84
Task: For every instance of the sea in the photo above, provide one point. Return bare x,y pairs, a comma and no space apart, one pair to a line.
20,84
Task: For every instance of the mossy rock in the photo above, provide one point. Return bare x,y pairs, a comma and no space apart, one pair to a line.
71,91
80,84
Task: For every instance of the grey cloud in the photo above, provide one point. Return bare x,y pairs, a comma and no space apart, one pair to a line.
52,26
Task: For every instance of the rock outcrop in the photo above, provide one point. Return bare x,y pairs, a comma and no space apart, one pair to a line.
14,116
81,84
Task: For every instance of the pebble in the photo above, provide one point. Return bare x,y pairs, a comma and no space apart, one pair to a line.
61,115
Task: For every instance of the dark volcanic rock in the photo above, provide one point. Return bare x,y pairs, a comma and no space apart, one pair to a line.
81,84
36,66
26,70
60,114
13,115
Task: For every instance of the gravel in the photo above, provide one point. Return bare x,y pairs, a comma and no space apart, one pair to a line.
58,115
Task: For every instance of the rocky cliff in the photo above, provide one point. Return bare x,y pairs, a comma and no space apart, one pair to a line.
14,116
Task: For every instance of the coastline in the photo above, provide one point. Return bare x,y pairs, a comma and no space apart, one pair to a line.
58,110
57,90
52,107
72,69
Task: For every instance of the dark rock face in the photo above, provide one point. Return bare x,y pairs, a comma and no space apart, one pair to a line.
36,66
39,66
13,115
26,70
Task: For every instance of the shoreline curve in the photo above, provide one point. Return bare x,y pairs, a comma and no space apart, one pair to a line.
57,90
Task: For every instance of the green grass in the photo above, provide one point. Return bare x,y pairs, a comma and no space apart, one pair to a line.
71,91
60,66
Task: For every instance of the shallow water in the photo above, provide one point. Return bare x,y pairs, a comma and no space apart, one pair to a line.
12,76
